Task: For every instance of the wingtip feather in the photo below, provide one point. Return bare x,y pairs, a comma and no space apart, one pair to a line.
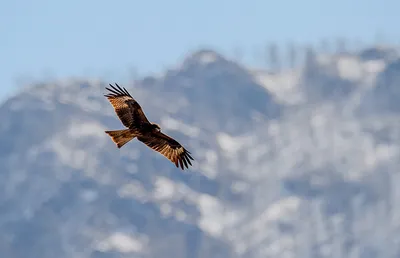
117,91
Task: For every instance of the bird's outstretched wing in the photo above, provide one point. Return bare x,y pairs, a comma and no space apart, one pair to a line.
168,147
127,108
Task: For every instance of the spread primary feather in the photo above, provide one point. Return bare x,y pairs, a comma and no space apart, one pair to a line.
138,126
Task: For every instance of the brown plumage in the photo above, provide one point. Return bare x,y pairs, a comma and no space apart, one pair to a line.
132,116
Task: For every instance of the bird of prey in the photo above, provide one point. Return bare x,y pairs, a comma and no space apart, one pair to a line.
132,116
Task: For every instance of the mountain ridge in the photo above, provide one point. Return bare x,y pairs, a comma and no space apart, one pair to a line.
266,170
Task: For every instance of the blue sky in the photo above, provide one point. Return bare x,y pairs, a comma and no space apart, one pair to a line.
41,38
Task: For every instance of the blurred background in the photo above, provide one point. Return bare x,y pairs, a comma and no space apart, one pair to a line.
290,109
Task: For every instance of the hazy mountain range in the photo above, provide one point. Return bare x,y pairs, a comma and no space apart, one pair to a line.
299,163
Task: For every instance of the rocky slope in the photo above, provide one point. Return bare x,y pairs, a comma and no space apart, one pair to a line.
285,167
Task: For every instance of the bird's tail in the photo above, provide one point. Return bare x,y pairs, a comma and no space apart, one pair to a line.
121,137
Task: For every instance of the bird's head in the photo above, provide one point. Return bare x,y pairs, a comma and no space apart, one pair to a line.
156,127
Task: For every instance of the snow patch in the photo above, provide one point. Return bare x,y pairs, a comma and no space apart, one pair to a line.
227,143
349,68
67,154
264,229
211,220
67,145
135,190
165,209
215,218
173,124
209,165
283,85
283,208
374,66
380,153
122,243
85,129
206,57
165,189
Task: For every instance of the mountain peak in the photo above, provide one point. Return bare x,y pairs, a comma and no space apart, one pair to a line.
386,53
203,57
66,191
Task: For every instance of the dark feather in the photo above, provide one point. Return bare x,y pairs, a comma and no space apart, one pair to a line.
126,107
132,116
168,147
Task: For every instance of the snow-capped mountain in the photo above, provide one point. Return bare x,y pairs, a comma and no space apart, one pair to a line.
286,165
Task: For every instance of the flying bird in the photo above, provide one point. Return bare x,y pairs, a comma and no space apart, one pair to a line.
132,116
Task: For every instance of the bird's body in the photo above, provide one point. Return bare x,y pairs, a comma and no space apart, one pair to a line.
138,126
